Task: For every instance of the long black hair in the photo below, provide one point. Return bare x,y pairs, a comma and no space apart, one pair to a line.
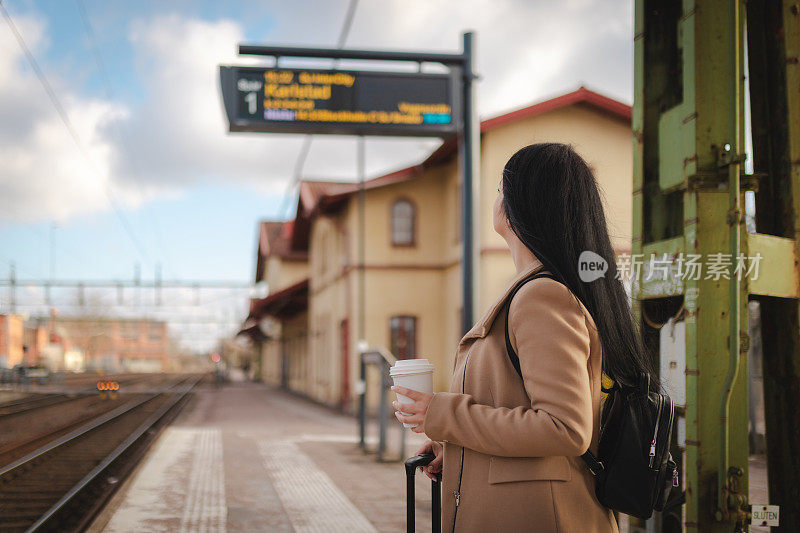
552,203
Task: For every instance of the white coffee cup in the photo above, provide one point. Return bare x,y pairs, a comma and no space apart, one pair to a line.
415,374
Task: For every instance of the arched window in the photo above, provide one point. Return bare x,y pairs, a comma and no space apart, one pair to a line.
404,214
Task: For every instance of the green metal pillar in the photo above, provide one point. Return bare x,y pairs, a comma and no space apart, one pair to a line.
688,198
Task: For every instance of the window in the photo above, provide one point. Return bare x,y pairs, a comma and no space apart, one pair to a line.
403,222
403,333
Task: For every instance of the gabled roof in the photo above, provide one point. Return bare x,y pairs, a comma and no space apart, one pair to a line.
320,196
285,303
269,230
582,95
252,330
312,192
314,195
274,240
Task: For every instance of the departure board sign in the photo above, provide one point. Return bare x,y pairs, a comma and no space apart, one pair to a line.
284,100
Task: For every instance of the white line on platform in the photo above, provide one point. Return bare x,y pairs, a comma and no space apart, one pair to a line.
205,508
311,499
181,486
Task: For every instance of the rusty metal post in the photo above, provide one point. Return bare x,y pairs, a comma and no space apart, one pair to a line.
687,199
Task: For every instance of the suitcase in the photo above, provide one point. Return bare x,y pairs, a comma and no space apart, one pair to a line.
436,486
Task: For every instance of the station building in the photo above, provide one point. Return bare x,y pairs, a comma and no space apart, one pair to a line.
311,317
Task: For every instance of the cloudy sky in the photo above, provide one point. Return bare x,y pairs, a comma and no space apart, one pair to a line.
157,179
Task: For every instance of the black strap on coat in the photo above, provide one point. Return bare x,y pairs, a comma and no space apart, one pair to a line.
595,466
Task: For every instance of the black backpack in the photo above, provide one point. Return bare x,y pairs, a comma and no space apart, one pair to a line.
634,472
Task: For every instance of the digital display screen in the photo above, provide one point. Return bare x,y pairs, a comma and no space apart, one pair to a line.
338,101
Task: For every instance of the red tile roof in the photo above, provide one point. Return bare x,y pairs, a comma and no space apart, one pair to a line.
274,240
583,95
282,304
311,192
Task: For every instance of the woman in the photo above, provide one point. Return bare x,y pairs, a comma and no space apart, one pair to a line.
510,447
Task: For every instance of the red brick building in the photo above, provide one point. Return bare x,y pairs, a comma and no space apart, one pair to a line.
136,345
11,333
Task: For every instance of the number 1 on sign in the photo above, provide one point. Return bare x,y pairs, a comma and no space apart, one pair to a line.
250,98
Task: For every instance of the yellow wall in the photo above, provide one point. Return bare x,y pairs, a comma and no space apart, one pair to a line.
605,144
289,337
271,353
602,141
281,273
326,308
398,281
295,344
403,280
425,280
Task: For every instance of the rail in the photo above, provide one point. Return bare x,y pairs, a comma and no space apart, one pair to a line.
24,405
110,458
179,391
382,360
94,424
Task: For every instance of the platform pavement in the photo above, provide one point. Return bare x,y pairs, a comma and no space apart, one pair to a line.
250,457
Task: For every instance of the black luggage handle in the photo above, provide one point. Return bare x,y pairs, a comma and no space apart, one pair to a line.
412,463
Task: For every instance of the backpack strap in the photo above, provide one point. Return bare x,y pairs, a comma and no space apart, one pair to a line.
510,349
595,465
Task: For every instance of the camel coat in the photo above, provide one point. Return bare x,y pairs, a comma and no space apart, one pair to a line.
521,443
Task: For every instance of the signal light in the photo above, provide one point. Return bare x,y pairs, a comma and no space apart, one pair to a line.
107,386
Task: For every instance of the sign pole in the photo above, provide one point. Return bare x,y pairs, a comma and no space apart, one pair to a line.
469,166
290,105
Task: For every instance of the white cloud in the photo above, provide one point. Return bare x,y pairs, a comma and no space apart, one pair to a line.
526,49
43,175
182,131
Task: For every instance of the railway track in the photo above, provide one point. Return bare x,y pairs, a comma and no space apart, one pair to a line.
83,399
24,405
62,485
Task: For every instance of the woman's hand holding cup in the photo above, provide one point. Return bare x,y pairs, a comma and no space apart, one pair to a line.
413,383
412,412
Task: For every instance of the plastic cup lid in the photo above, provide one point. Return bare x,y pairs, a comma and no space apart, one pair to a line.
410,366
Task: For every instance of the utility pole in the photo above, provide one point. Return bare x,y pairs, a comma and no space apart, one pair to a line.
12,289
362,221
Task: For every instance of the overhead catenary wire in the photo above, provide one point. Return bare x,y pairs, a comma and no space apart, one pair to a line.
68,124
306,146
65,119
62,113
296,175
